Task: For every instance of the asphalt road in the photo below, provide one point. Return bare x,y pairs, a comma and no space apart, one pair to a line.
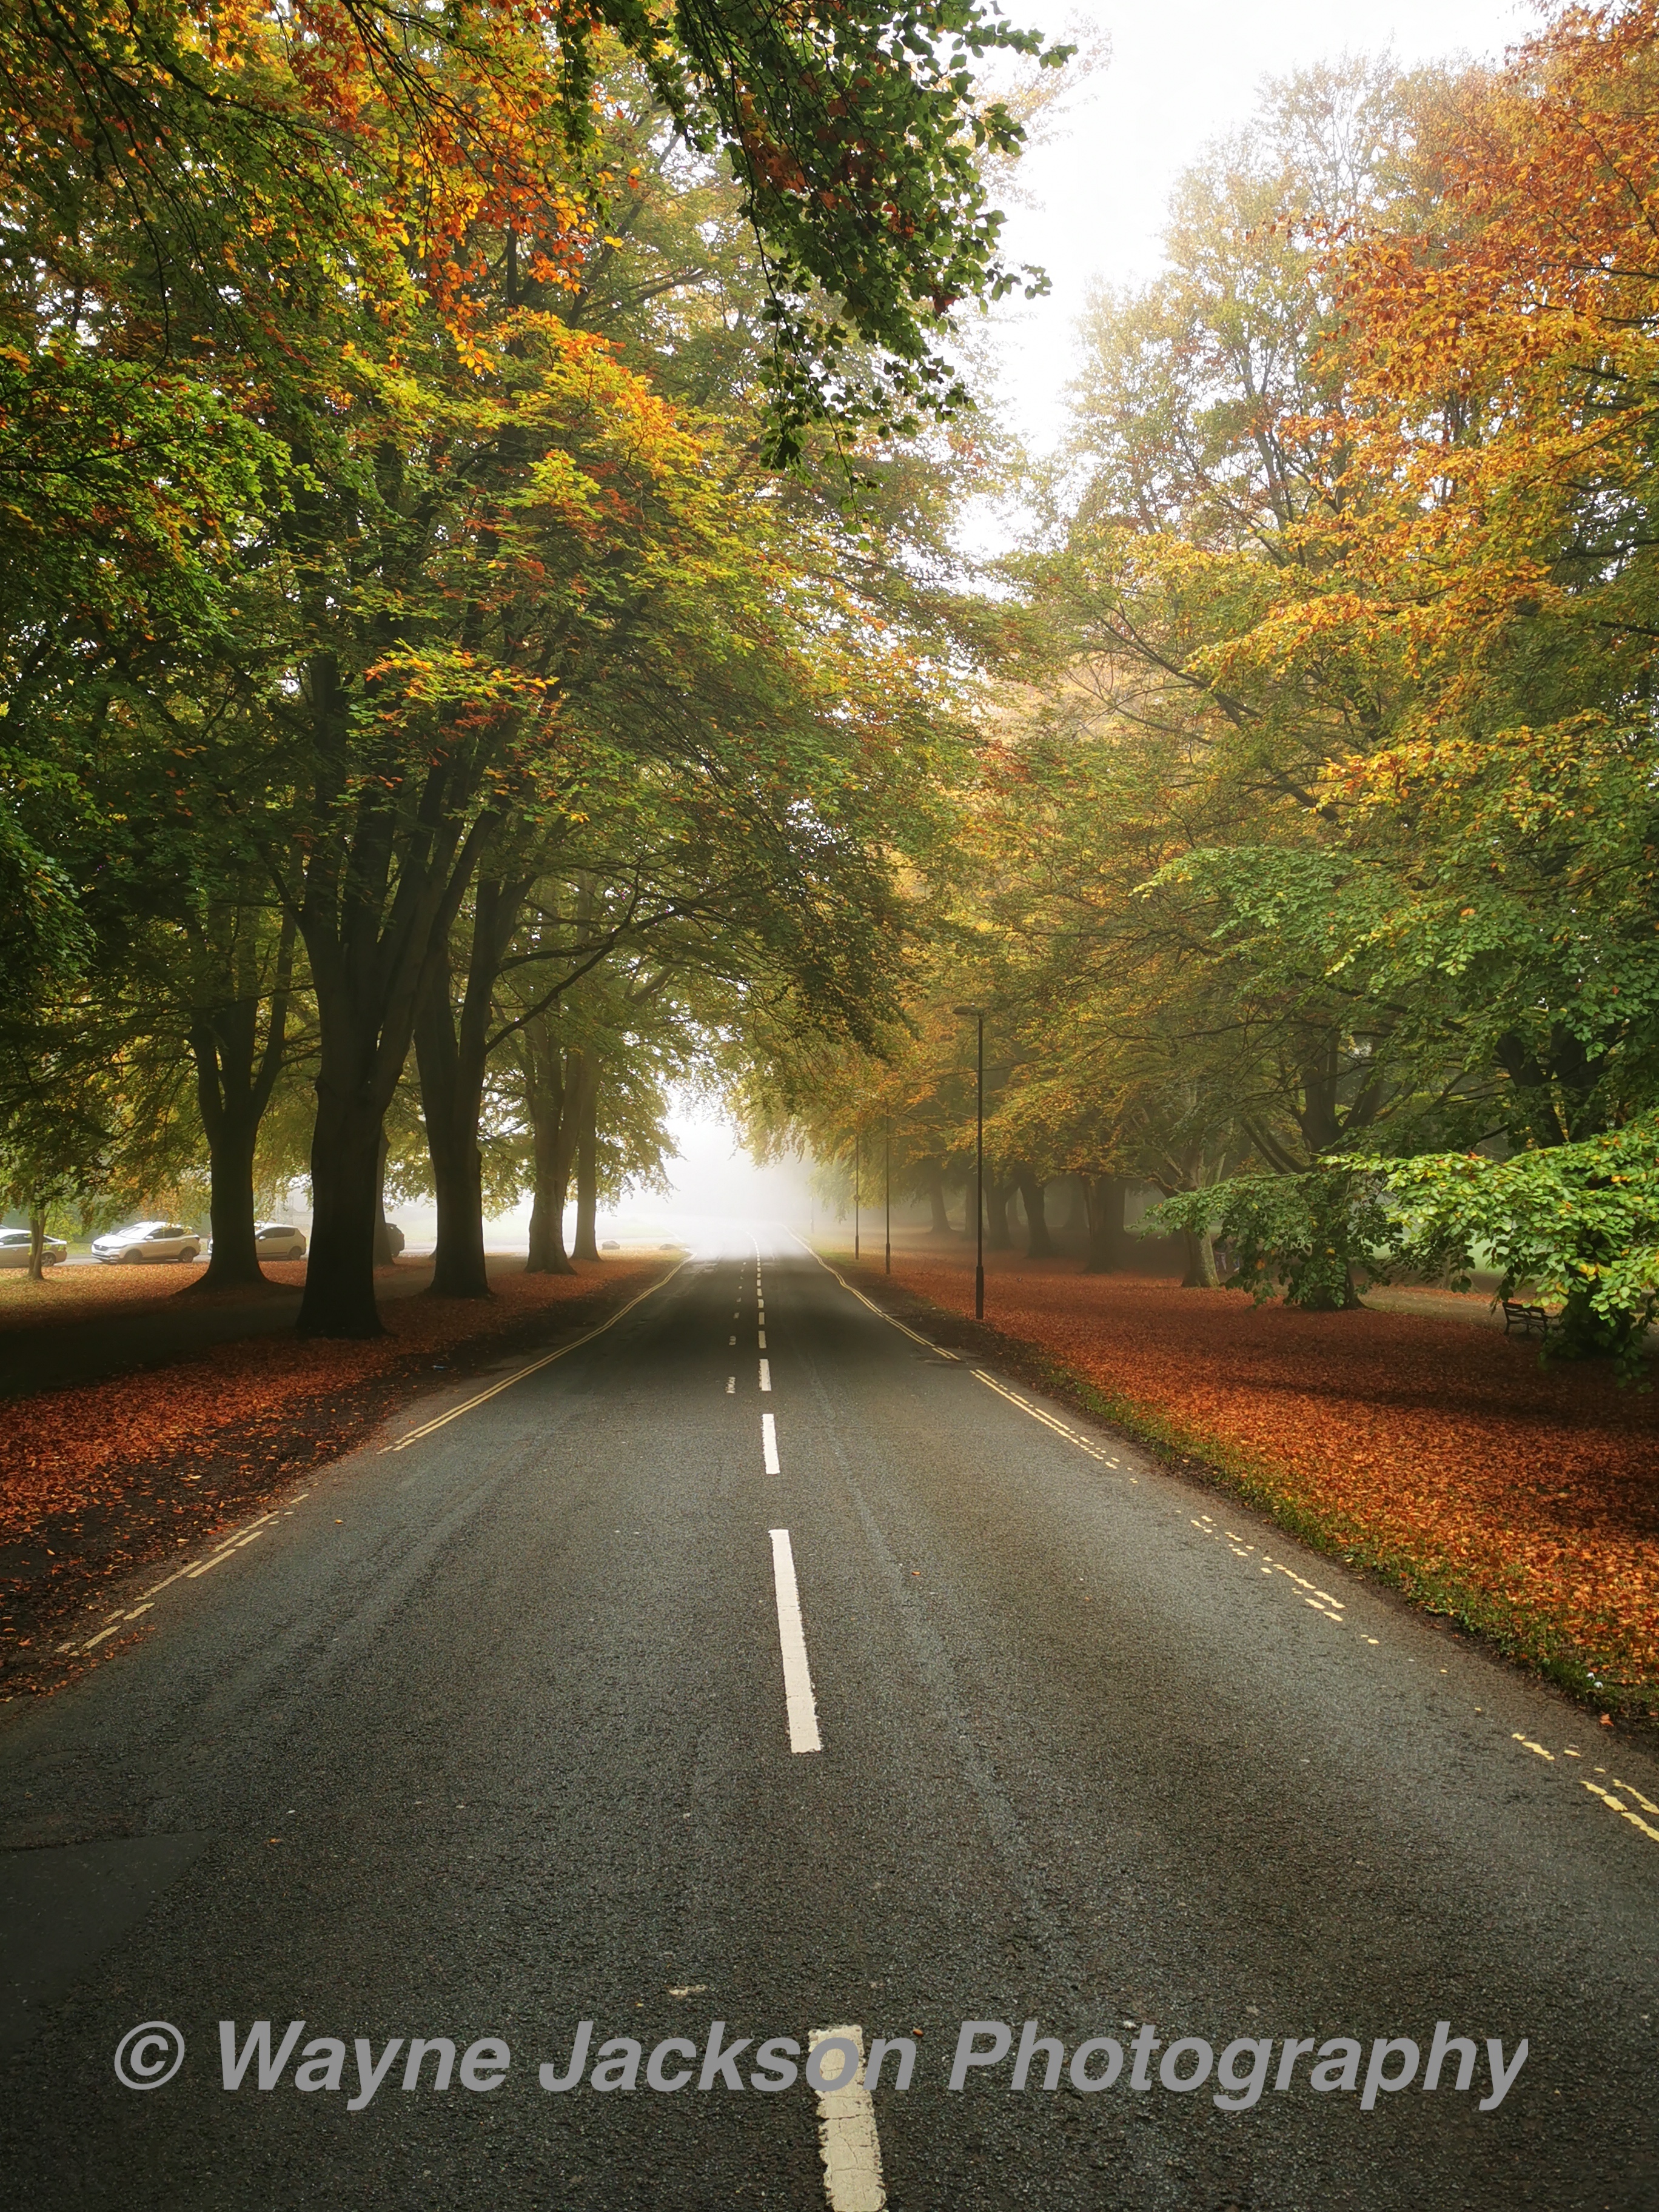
491,1734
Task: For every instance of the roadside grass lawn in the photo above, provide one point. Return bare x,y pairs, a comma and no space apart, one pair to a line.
1521,1501
111,1475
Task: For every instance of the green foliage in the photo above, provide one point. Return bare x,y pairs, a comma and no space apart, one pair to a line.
1576,1224
1316,1236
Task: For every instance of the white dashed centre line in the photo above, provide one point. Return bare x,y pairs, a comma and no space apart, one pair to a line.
766,1374
761,1340
846,2127
731,1386
769,1444
791,1641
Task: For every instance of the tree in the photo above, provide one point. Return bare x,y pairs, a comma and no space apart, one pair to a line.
1574,1222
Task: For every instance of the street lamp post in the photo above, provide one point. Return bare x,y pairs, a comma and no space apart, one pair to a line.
887,1188
855,1193
977,1013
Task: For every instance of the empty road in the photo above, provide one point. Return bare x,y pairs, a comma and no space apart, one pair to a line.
756,1671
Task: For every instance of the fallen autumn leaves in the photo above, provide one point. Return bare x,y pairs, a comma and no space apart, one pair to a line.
100,1479
1522,1502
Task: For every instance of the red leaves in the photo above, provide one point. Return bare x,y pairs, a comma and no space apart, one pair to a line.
1437,1443
66,1449
97,1479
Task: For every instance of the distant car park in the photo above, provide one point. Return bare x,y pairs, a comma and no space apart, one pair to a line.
15,1249
145,1241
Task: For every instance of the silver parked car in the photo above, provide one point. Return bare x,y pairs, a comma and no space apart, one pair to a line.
146,1241
15,1249
276,1240
279,1240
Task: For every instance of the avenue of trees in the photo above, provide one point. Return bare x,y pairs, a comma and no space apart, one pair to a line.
483,643
471,639
1308,865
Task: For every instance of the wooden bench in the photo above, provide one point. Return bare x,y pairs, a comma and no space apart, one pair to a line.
1531,1321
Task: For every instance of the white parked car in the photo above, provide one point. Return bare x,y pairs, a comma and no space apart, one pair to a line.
276,1240
145,1241
279,1240
15,1249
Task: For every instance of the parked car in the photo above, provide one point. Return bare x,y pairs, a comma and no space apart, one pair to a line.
15,1249
279,1240
276,1240
394,1238
145,1241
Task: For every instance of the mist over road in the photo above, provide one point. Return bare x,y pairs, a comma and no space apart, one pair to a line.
569,1709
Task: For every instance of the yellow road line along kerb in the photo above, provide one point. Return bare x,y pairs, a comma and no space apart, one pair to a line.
1038,1414
880,1316
546,1360
1320,1600
1206,1526
1607,1798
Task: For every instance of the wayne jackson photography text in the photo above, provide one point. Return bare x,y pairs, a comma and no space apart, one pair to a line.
989,2053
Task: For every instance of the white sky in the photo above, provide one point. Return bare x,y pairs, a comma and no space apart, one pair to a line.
1181,73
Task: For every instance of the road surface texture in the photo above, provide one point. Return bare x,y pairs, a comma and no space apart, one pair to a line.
568,1710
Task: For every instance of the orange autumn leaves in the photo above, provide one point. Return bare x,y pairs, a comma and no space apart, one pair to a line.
65,1450
1496,365
98,1478
1433,1448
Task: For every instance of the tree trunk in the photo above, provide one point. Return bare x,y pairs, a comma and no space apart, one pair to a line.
1104,1198
346,1182
376,914
587,1164
1040,1244
234,1258
458,1270
384,1254
941,1226
451,1047
37,1245
235,1076
1200,1273
1077,1206
997,1236
450,1101
551,1083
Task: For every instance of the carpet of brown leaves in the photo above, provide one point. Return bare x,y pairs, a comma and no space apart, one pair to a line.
89,1292
1525,1501
97,1479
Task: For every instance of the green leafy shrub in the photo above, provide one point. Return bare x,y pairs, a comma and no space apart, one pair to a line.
1317,1236
1579,1224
